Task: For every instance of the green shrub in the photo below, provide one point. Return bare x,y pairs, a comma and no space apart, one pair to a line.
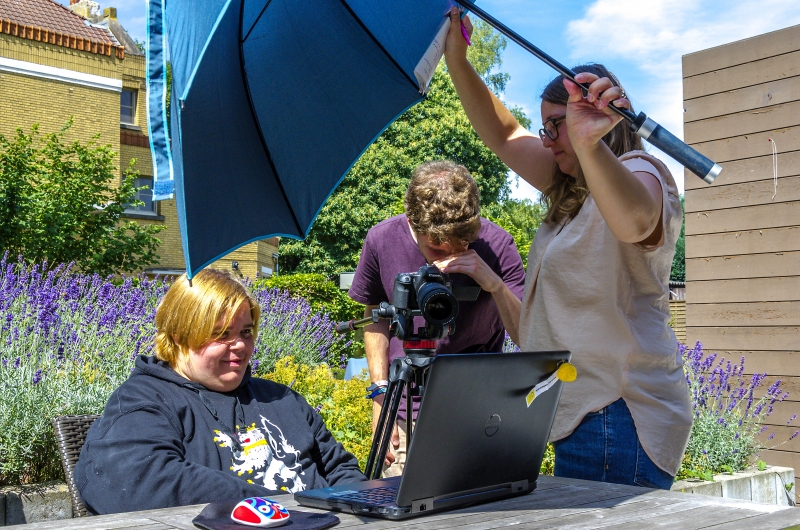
340,403
321,293
549,460
324,296
520,218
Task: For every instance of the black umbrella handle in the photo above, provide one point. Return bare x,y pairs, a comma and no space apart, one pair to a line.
645,127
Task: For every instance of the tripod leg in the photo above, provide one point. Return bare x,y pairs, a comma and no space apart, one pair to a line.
377,437
409,417
383,431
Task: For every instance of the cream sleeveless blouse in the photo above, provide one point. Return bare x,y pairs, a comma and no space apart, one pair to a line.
608,303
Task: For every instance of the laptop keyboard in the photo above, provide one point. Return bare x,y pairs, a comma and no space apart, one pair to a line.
375,496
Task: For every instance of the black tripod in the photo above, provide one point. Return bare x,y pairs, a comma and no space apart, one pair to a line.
407,373
425,294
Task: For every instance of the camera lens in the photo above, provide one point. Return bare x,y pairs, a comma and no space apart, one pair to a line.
437,304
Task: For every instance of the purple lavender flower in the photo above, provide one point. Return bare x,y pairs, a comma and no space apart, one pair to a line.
37,376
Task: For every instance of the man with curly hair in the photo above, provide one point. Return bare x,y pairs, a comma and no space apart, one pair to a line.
442,226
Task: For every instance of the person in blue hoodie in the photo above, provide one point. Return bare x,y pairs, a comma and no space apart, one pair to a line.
192,426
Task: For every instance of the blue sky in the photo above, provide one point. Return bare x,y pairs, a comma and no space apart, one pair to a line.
641,41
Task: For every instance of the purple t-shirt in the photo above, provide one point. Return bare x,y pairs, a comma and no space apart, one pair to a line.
390,249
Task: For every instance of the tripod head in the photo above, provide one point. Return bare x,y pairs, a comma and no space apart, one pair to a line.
426,293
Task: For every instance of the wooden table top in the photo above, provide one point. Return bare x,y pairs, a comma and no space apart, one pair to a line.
556,503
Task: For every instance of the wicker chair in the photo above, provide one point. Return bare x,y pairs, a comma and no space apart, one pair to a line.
70,435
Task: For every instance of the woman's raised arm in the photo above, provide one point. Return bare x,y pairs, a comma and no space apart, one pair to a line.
520,149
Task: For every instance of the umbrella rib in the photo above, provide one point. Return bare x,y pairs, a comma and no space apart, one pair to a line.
378,44
255,23
258,124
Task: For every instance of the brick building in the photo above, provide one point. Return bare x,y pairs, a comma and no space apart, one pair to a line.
57,62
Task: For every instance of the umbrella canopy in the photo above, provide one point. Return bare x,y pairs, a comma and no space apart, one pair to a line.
272,102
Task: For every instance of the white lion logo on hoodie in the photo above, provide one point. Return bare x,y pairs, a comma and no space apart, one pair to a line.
270,460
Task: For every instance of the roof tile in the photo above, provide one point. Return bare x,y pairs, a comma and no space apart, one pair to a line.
53,17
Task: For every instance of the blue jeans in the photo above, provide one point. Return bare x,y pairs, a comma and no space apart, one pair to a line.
605,447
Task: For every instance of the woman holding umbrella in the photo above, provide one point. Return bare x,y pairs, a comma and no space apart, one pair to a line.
597,271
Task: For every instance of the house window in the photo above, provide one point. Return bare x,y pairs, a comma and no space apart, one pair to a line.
144,195
127,108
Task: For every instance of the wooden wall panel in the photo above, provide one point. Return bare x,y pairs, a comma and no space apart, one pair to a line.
745,242
742,99
758,217
743,233
744,266
748,146
751,169
781,434
776,457
745,314
748,338
742,123
771,44
743,75
745,194
783,289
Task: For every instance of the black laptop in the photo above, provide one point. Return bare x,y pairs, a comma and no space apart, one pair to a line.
478,438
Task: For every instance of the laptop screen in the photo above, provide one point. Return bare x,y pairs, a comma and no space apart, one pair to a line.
475,428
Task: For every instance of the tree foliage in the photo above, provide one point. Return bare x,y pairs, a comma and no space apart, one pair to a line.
678,273
520,218
58,204
437,128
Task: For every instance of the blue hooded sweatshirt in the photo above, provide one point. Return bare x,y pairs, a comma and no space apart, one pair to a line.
165,441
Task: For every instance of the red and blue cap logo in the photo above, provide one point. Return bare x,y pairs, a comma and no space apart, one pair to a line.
260,511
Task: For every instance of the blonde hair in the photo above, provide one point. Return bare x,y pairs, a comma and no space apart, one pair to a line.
188,314
443,202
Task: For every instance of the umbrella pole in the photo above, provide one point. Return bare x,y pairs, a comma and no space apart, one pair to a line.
645,127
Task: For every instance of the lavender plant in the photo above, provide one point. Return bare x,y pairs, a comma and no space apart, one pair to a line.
68,340
289,328
730,410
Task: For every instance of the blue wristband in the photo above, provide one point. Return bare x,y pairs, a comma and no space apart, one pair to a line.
375,391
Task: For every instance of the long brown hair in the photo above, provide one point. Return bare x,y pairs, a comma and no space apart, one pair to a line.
566,194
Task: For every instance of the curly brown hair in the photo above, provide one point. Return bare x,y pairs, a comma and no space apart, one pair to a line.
566,194
443,202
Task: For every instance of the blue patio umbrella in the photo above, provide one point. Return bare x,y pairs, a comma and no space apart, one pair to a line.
272,102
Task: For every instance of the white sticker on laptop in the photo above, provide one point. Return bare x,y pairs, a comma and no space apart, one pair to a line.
565,372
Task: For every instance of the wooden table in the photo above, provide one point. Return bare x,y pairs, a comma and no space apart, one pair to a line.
556,503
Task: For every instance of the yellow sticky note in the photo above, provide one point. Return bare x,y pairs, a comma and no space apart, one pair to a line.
566,372
530,397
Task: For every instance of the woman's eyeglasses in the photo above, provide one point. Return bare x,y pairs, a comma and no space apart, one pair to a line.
550,127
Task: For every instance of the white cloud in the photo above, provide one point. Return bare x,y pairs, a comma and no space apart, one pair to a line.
657,32
654,34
